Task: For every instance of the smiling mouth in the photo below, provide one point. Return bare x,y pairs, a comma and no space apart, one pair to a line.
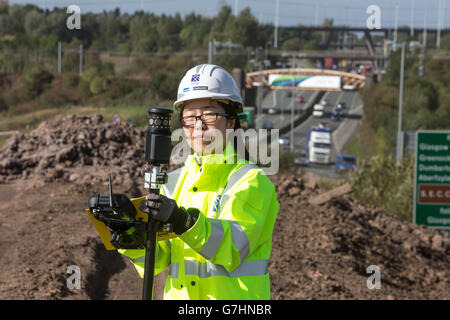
203,139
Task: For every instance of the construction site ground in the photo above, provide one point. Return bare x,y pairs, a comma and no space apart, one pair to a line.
320,249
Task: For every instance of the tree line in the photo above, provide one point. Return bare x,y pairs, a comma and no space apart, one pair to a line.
29,26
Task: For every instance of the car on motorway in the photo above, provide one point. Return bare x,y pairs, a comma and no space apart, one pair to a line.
318,111
349,86
300,99
341,105
335,116
285,141
345,162
303,159
267,125
325,102
273,111
323,124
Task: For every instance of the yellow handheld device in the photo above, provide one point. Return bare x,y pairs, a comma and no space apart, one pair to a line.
120,214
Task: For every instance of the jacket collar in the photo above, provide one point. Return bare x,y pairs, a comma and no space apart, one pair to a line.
228,156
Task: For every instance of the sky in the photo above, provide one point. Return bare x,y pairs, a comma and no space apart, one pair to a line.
291,12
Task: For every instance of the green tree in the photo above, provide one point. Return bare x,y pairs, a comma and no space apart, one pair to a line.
242,29
35,23
49,42
56,24
312,44
445,42
98,85
37,80
6,25
142,25
17,14
149,41
292,44
195,32
220,21
381,182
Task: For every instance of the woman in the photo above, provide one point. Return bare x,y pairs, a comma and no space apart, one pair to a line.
223,208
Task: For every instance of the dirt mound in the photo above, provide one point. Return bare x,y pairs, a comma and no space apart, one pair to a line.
43,233
319,252
78,149
323,252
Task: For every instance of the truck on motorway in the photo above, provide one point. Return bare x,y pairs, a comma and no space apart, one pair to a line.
318,145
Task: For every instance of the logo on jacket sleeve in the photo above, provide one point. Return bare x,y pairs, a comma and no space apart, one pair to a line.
195,77
217,202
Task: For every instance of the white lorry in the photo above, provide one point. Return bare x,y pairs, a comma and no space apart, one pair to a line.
318,144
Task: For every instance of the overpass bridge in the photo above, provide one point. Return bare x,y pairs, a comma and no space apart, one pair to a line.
386,31
371,46
352,55
305,79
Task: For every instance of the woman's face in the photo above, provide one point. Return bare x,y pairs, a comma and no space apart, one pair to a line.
203,137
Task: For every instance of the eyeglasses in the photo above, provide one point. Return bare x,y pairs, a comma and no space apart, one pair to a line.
207,118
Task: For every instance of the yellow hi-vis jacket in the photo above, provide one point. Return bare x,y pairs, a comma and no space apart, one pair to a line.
225,255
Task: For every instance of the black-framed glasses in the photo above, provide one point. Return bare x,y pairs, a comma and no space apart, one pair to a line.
207,118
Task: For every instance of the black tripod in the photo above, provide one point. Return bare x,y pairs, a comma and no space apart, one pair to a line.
157,151
153,226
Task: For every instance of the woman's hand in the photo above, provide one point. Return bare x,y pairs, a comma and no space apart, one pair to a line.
166,210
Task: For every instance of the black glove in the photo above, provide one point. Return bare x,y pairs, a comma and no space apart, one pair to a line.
128,239
166,210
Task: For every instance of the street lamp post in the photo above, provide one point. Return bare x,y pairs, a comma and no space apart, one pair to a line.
399,153
292,107
259,91
266,53
275,36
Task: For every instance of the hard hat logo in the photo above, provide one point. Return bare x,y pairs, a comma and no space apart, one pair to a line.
208,81
195,78
200,88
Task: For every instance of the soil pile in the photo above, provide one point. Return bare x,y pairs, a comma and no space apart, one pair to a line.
75,149
319,252
324,252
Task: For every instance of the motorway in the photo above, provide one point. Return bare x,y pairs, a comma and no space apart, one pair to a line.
351,99
342,130
279,99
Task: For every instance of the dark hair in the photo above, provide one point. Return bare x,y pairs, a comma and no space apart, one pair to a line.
231,109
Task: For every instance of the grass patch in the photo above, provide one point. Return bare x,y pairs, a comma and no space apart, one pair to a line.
136,114
354,147
27,122
3,140
382,183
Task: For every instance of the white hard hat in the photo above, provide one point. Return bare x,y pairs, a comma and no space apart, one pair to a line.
208,81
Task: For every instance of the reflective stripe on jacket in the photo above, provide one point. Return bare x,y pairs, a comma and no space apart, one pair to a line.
225,255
